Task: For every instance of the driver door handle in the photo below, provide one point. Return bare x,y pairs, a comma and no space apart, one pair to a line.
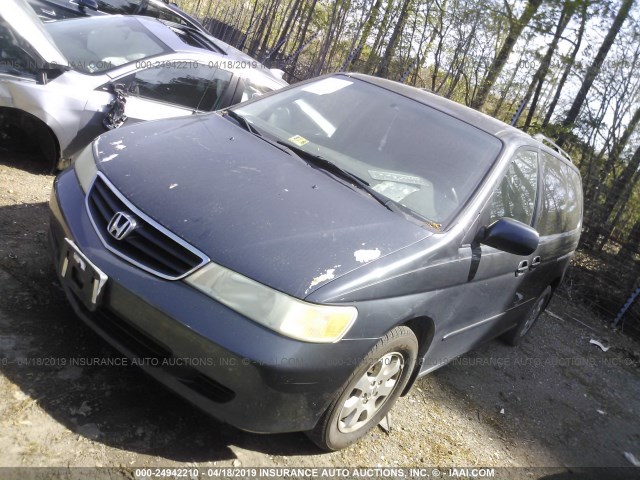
535,263
523,267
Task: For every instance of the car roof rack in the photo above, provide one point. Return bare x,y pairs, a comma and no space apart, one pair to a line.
542,139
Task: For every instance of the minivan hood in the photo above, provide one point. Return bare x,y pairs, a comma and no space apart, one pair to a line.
20,19
248,205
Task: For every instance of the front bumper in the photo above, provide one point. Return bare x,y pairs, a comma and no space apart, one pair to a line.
227,365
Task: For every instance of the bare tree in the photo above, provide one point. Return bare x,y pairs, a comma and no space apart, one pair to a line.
383,68
595,67
516,26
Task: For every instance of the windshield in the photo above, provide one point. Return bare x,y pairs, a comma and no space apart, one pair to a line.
95,45
415,155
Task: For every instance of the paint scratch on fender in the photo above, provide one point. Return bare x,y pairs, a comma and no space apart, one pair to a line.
364,256
329,274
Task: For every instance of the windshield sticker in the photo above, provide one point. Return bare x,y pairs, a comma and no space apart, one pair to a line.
395,191
328,85
397,177
298,140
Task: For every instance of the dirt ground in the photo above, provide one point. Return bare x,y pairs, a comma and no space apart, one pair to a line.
557,401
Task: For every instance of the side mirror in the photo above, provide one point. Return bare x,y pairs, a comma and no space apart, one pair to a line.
92,4
276,72
511,236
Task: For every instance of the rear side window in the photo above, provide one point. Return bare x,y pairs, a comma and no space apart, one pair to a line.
561,200
515,196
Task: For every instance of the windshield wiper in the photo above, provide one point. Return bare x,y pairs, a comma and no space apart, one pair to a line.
328,165
244,123
248,126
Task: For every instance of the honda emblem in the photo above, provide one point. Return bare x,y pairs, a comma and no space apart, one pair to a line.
121,225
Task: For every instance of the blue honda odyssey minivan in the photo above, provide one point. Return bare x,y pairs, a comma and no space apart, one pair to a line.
295,262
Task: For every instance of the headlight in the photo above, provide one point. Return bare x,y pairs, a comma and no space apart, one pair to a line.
85,168
280,312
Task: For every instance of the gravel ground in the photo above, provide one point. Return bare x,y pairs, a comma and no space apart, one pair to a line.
557,401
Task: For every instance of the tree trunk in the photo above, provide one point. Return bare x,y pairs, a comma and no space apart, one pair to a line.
619,146
255,43
383,69
515,30
503,94
599,224
569,65
328,39
619,209
628,251
595,67
381,32
543,69
285,30
303,36
366,31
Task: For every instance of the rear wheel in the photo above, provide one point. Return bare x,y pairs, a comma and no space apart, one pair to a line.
370,391
514,336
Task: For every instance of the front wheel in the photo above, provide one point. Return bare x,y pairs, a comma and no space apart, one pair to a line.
370,391
514,336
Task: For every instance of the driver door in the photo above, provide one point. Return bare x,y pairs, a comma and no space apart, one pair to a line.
501,285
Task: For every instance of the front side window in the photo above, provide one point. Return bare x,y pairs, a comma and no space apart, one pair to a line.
415,156
515,195
195,88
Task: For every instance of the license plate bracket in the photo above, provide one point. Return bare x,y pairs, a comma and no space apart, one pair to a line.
81,276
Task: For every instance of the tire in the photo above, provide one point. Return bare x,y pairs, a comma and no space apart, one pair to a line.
360,404
514,336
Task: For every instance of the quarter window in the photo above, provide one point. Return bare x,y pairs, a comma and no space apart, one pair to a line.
515,196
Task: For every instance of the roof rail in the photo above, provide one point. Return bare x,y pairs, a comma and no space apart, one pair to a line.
542,139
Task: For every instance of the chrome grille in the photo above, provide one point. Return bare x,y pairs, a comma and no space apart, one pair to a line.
149,246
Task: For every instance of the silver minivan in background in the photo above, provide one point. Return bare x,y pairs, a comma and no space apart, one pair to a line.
63,83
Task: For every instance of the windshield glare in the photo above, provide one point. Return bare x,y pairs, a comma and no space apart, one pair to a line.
95,45
417,156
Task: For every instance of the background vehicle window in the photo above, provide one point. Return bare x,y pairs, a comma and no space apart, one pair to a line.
119,7
196,88
93,45
515,196
13,59
561,205
163,14
255,87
